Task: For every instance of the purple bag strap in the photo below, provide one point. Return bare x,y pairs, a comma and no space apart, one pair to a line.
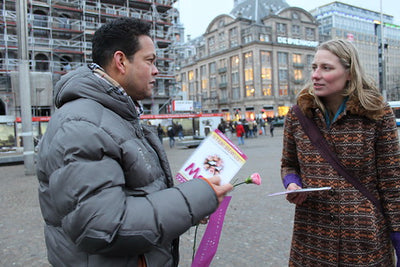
311,129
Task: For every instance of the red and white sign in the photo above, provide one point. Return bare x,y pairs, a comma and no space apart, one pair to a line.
182,105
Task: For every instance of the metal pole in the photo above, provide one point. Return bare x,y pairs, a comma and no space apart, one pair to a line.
24,87
384,93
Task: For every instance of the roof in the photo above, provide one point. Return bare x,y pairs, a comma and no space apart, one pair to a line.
258,9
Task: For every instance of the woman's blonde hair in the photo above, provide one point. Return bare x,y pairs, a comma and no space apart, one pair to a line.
359,85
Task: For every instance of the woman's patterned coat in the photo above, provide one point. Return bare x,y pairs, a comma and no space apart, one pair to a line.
340,227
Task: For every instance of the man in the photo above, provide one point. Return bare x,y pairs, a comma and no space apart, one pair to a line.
171,135
105,187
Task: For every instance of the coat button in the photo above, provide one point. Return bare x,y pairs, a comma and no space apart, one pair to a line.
332,217
332,192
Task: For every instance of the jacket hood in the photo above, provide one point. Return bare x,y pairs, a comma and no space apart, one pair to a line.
307,104
83,83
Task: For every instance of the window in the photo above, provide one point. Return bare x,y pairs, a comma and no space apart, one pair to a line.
221,37
296,30
232,32
248,75
184,87
233,37
213,82
310,59
235,93
182,80
42,62
266,73
296,59
224,95
233,43
283,89
281,29
248,59
266,58
223,78
264,37
247,38
266,68
203,77
211,44
212,68
204,84
222,63
298,75
250,91
282,59
183,77
235,77
283,75
203,71
191,75
248,67
221,40
267,89
191,88
310,33
234,62
211,41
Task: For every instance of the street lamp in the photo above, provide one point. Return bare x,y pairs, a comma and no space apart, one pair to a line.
24,87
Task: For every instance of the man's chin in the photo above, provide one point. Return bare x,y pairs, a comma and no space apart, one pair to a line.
148,96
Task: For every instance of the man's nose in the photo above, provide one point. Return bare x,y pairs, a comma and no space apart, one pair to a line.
155,70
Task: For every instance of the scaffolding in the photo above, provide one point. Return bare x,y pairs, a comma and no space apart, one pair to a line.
60,33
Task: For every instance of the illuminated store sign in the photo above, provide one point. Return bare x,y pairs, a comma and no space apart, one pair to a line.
291,41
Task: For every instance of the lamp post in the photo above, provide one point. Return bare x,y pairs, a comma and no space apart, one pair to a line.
24,87
382,68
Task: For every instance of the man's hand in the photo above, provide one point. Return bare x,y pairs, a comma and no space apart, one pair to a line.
220,190
295,198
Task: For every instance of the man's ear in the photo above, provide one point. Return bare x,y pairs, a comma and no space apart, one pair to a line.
120,60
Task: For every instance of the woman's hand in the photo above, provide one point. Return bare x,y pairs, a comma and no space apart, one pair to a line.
295,198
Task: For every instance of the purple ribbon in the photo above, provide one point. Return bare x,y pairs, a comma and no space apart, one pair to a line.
209,243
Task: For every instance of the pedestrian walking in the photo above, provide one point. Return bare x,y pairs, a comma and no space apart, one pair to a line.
240,133
271,128
160,133
171,135
251,128
222,126
351,224
262,125
180,131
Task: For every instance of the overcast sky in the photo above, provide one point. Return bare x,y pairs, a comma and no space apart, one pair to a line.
197,14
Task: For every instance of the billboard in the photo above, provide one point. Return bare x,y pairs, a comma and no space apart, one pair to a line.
182,105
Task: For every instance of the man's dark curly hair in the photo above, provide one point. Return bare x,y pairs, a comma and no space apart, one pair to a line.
121,34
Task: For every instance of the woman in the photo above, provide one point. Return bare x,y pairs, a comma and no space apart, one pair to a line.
341,227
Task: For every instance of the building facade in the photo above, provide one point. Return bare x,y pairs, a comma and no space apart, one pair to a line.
254,61
362,26
251,63
60,33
